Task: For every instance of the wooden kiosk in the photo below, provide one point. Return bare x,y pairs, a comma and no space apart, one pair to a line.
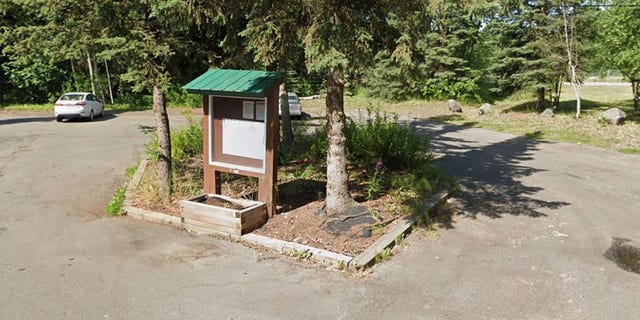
240,128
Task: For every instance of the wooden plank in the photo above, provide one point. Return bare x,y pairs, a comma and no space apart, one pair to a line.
204,216
205,209
255,213
204,231
388,240
147,215
254,221
208,226
235,223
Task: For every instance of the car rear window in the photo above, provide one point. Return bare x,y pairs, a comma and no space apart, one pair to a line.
68,97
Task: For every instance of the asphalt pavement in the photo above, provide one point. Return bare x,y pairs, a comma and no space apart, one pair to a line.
527,240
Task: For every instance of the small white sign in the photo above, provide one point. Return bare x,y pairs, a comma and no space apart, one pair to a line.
247,110
261,111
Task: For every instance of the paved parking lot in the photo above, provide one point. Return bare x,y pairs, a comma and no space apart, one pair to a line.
535,221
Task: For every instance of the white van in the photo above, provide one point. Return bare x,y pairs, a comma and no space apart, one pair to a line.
294,106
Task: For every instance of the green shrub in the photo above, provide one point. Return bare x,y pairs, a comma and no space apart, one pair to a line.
178,97
375,184
318,146
464,88
186,142
382,138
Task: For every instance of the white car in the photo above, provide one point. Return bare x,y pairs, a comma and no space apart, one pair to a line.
294,106
76,105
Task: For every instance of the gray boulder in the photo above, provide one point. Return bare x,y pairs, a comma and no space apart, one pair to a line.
454,106
613,116
485,108
548,112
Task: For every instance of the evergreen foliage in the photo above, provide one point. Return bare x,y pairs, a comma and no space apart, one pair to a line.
433,49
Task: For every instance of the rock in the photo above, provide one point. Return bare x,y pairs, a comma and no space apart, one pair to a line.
485,108
548,112
613,116
454,106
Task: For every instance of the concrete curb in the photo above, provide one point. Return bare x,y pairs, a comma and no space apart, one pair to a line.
133,183
367,258
292,248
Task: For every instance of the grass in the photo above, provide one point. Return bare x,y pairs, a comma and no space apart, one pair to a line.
115,207
43,107
48,107
518,117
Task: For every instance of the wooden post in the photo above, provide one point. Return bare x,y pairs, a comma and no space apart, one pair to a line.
208,171
267,184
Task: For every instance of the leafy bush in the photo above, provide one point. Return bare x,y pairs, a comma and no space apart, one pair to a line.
186,142
460,88
177,96
381,138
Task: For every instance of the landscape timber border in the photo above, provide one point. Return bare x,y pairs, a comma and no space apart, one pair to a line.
364,260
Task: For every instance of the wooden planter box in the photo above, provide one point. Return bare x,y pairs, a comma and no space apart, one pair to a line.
222,218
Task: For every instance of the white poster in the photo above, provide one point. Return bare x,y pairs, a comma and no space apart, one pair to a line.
243,138
260,111
247,109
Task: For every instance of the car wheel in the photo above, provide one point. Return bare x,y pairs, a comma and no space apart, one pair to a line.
101,112
58,119
91,115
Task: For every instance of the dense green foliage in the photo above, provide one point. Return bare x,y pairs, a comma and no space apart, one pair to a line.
186,142
433,49
619,45
385,156
381,140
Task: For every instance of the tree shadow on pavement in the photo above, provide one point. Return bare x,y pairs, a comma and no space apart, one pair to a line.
108,115
490,175
26,120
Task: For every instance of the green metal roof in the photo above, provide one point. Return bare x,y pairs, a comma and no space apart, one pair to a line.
235,83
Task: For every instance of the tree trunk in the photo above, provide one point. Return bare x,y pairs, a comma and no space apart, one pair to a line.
338,198
557,91
577,89
572,58
106,67
164,142
540,101
635,87
287,132
93,85
73,76
98,82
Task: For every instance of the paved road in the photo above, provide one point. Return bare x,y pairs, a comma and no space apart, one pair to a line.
528,242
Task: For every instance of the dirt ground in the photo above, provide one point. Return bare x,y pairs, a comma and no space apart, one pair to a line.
301,218
349,233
